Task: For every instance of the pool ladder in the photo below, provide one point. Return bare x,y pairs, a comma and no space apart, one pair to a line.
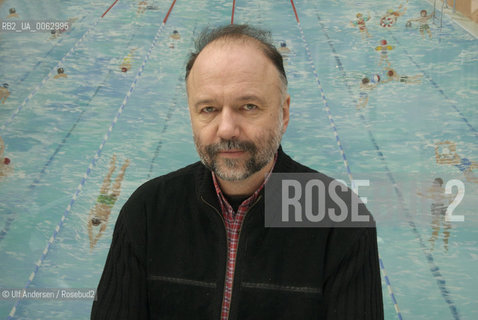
441,11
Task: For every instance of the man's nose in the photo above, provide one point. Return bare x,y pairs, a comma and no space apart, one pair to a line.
228,127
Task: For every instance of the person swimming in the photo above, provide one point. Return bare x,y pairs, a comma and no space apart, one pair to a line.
440,203
384,48
126,64
55,33
60,73
283,48
445,153
390,18
423,21
360,23
99,214
6,168
13,13
142,5
175,35
4,93
366,85
392,75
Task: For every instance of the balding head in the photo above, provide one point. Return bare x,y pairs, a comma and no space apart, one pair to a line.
240,34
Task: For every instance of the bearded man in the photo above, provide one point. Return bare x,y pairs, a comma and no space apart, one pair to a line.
192,244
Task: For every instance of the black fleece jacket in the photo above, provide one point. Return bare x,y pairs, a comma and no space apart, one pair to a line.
168,259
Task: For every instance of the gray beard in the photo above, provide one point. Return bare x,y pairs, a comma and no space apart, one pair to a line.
234,169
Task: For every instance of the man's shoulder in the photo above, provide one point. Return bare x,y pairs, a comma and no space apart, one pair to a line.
182,173
163,190
172,182
286,164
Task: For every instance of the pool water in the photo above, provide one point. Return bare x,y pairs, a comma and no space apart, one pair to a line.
61,134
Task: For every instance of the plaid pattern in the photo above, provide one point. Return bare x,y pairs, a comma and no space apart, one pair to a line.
233,223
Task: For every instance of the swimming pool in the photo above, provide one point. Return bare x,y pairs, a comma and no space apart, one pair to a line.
61,134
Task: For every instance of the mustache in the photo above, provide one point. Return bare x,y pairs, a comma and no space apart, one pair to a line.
227,145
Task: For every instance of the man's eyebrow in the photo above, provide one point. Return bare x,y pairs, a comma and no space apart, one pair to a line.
243,98
205,101
250,97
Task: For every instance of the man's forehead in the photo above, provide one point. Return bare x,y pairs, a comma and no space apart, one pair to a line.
232,57
230,46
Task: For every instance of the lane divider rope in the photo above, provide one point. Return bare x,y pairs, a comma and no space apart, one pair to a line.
50,74
172,107
435,270
37,180
342,152
232,14
11,219
438,88
104,14
90,167
47,77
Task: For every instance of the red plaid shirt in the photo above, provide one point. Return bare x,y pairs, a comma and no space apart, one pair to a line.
233,223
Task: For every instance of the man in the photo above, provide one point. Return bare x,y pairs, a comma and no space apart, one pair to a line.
192,244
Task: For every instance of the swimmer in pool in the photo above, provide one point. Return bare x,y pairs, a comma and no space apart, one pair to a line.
142,7
283,49
392,75
445,153
13,13
100,213
60,73
367,85
360,23
423,21
56,33
6,168
4,93
175,35
152,7
126,64
384,48
390,18
440,202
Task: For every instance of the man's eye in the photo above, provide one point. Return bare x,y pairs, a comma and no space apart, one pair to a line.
208,109
249,107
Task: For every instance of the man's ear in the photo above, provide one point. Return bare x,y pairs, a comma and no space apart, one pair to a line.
285,113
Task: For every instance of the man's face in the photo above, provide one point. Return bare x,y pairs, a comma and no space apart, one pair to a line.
238,113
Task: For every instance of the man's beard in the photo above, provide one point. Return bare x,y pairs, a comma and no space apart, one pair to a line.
239,169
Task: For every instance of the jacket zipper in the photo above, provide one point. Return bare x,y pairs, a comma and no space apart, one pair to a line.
227,249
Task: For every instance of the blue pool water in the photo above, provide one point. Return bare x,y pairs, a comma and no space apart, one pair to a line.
61,134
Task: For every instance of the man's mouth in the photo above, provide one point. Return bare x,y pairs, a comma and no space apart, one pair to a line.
234,153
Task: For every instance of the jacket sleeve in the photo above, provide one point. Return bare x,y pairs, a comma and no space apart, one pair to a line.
353,291
121,293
